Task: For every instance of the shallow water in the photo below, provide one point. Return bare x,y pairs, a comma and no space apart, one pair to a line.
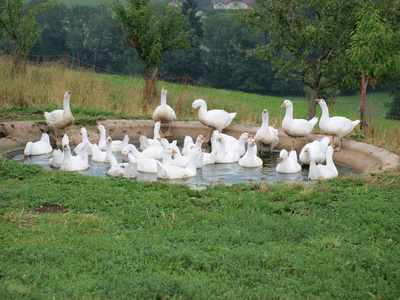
210,174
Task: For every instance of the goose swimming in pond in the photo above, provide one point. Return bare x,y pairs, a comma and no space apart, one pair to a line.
116,145
217,119
173,172
74,163
296,127
250,160
335,126
320,172
288,162
145,142
84,144
42,146
60,118
266,135
164,112
224,154
314,151
121,170
57,156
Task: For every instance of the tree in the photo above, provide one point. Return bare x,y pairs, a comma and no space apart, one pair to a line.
226,64
53,39
187,62
152,31
375,48
18,23
308,39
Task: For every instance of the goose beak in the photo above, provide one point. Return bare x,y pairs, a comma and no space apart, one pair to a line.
280,160
123,156
283,104
318,100
193,109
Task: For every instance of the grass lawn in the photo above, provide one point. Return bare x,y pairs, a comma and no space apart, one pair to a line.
123,239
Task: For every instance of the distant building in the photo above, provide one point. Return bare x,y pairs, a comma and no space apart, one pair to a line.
176,2
231,4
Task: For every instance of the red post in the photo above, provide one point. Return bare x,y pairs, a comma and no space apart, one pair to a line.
363,121
65,64
180,97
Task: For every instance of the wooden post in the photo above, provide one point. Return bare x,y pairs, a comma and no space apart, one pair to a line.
180,97
363,121
65,64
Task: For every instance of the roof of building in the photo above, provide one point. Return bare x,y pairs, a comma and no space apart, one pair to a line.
228,1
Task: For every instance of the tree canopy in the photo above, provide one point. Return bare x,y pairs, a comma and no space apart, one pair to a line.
308,39
18,23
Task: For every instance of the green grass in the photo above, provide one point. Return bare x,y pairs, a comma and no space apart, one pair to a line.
123,239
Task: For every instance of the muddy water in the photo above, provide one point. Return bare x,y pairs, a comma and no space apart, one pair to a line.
210,174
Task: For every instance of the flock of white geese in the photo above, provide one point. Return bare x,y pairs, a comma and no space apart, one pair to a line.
158,155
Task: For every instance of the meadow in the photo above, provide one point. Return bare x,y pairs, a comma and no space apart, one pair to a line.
68,236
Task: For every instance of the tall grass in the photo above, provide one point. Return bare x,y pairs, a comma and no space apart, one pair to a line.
44,85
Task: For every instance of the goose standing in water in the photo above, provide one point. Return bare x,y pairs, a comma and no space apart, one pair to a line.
320,172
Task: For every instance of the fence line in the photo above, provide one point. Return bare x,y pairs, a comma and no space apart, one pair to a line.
77,64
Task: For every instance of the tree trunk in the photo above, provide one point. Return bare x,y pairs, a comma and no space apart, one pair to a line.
363,118
312,103
150,92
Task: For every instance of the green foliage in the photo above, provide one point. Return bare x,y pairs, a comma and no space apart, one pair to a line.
374,43
308,40
151,30
126,239
357,135
17,22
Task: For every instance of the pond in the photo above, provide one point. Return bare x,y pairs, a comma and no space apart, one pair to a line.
209,174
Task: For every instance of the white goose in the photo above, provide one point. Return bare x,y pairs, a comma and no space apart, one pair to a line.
116,145
320,172
57,156
226,155
339,126
42,146
123,170
266,135
182,161
164,112
145,165
230,142
60,118
250,160
146,142
173,172
314,151
189,147
85,144
150,152
188,143
296,127
74,163
288,162
98,155
215,119
209,158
